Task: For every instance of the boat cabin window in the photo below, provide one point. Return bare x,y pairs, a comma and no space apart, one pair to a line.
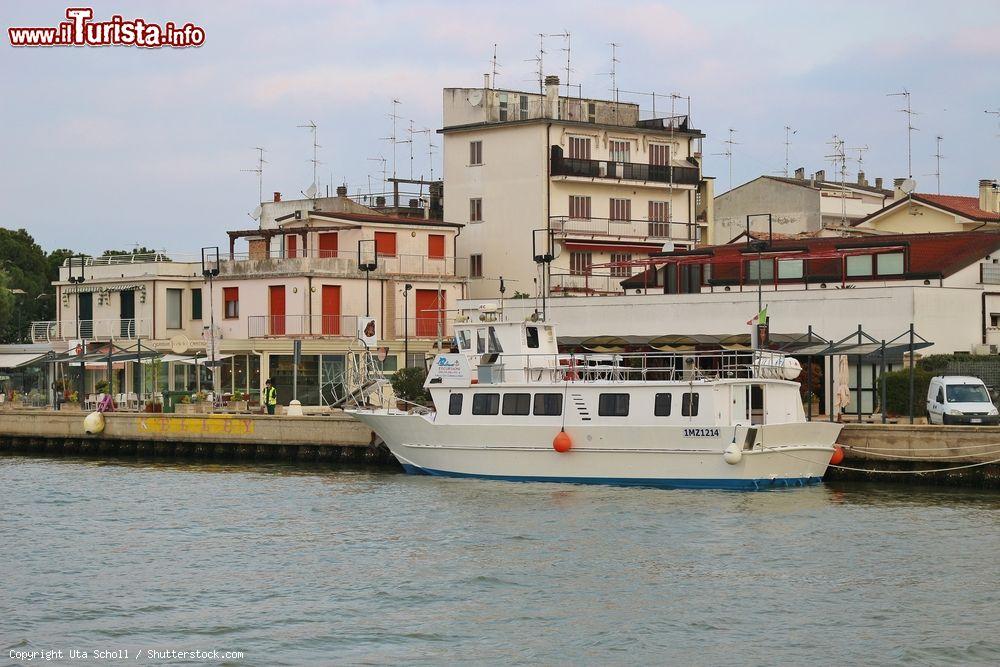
531,333
548,405
689,404
613,405
480,341
495,347
661,405
464,339
455,404
517,404
486,404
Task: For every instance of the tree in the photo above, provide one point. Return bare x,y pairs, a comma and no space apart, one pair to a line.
26,268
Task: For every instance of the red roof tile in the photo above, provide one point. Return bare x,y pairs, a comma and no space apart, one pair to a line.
966,206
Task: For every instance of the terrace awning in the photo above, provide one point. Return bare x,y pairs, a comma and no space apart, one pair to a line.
16,360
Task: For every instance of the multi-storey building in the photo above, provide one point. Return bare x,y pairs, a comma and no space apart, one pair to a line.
585,181
297,278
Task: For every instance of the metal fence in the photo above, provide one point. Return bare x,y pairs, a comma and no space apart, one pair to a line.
110,329
633,171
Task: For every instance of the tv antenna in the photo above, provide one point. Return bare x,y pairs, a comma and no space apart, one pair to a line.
788,143
937,161
259,170
995,112
839,159
566,36
728,153
430,146
392,139
382,161
314,186
494,66
861,156
409,131
910,113
540,60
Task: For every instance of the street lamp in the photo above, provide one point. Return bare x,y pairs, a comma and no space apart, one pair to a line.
210,269
368,267
406,324
77,280
543,256
17,291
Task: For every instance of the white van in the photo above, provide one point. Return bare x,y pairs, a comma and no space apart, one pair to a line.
959,399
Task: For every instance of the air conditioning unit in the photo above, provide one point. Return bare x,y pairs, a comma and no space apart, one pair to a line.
981,349
602,170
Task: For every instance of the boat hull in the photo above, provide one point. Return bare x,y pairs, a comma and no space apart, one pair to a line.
776,455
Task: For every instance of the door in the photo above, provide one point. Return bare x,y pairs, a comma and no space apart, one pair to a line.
126,313
277,309
328,243
430,305
740,414
85,315
293,245
331,310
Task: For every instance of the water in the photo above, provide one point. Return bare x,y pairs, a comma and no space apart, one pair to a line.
303,566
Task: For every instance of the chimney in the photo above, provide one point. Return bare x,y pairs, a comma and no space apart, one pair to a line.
552,96
821,175
878,182
800,173
341,190
486,81
861,178
989,196
897,193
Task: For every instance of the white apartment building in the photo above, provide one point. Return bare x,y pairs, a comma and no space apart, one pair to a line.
297,278
585,181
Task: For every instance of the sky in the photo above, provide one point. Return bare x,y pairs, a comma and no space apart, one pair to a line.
117,146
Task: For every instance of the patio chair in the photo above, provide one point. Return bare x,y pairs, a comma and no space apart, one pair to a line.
90,403
133,401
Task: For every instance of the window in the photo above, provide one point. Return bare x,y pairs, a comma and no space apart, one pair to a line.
940,395
435,246
889,264
464,339
789,269
196,304
385,244
859,265
579,263
618,150
659,211
531,336
231,299
475,152
620,209
480,341
591,112
328,244
524,107
689,404
621,271
503,106
995,320
613,405
548,405
475,266
495,346
661,405
174,308
455,404
486,404
760,269
659,155
517,404
579,148
476,209
579,207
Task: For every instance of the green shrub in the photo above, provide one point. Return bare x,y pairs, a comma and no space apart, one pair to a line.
897,387
408,385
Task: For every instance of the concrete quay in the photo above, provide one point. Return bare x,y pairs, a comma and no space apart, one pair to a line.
330,438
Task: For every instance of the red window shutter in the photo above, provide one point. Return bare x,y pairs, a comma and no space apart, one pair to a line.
435,246
293,245
328,242
385,243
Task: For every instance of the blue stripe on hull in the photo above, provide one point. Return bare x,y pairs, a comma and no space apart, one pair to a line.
729,484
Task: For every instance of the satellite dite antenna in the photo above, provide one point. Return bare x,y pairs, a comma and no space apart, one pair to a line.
910,113
313,188
260,181
908,185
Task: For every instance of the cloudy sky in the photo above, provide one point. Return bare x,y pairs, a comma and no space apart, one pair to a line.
108,147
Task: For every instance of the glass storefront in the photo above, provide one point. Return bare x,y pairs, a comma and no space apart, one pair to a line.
318,376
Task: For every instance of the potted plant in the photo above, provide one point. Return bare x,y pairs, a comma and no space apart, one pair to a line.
72,400
102,386
154,406
238,401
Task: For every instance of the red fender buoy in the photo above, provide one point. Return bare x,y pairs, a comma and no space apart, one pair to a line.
838,455
562,443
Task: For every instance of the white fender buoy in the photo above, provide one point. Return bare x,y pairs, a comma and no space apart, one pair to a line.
733,454
93,423
294,409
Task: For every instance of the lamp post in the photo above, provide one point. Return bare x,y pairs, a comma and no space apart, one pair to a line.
18,292
77,280
368,267
761,246
210,269
543,256
406,324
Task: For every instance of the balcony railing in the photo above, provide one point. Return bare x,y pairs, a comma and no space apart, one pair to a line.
297,326
572,283
346,262
630,171
114,329
639,229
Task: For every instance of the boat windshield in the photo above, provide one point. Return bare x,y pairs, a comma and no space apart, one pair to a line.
968,393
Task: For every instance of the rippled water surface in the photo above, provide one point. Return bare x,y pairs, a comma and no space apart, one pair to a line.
307,566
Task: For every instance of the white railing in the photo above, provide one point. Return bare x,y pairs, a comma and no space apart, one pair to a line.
296,326
346,262
638,229
113,329
131,258
572,283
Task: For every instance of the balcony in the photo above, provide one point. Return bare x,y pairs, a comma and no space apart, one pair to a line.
302,326
344,263
627,171
632,229
65,330
573,283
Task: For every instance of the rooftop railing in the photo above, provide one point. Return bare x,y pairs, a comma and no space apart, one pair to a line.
639,229
345,262
107,329
630,171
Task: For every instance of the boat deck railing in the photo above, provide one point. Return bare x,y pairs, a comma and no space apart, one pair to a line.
631,367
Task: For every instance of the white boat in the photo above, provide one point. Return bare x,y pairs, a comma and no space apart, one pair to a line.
510,407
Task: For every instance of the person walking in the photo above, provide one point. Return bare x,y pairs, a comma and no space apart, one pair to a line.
270,396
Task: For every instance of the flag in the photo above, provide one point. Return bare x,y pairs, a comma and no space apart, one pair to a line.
759,317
